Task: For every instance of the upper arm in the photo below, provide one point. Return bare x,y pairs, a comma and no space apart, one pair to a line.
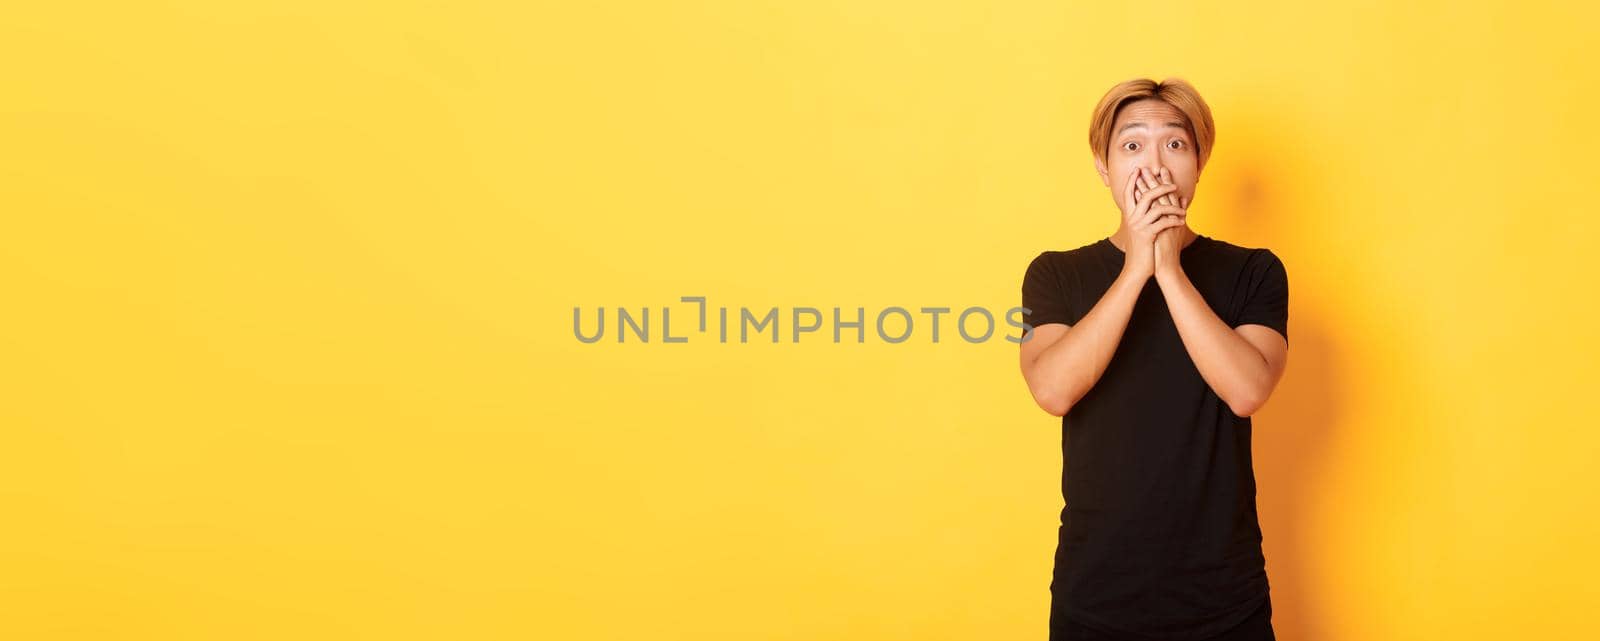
1274,348
1041,338
1048,316
1266,294
1044,301
1263,319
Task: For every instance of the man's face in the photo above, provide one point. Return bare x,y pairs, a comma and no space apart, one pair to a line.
1152,134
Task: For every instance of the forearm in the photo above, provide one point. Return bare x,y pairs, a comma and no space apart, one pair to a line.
1229,364
1069,368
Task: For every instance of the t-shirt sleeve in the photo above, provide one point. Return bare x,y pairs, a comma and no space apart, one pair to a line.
1043,294
1267,300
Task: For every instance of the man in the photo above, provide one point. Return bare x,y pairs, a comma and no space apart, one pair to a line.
1155,345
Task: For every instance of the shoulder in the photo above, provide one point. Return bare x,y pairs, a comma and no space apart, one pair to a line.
1058,258
1252,258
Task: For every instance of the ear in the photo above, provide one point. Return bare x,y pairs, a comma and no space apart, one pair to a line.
1105,174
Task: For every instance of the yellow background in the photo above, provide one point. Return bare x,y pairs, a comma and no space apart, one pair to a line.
288,350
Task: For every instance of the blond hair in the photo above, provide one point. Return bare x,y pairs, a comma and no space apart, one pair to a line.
1173,91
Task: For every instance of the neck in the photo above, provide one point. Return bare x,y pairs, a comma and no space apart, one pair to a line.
1120,237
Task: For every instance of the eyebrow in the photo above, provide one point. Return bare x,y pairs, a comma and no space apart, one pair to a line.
1140,124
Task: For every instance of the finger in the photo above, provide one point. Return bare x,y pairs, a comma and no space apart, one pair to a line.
1155,193
1159,212
1163,223
1142,204
1141,196
1175,214
1151,199
1128,196
1151,183
1165,176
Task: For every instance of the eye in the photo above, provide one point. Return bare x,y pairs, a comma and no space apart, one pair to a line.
1179,143
1125,145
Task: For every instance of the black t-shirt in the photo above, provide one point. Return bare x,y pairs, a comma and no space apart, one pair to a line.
1159,538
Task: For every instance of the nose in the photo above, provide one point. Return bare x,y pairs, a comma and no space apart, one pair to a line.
1150,159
